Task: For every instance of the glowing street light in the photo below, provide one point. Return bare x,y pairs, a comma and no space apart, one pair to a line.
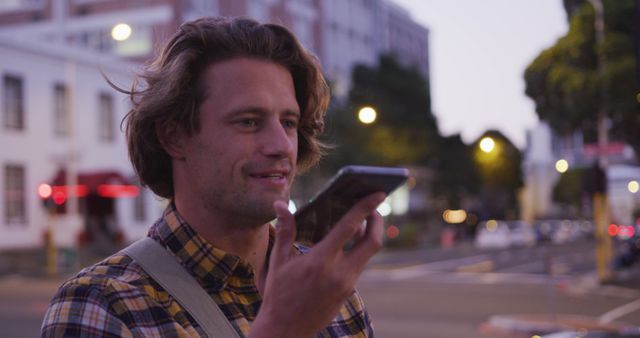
121,32
487,144
367,115
633,186
562,166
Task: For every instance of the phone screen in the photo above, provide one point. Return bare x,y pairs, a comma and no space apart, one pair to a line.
315,219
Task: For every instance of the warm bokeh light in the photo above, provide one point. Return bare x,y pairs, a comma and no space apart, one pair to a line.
626,231
633,186
121,32
117,191
612,230
367,115
487,144
44,190
411,182
454,216
393,231
59,197
492,225
562,166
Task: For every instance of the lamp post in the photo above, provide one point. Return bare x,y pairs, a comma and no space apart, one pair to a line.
604,251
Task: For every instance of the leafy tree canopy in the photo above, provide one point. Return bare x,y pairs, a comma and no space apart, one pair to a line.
405,131
569,88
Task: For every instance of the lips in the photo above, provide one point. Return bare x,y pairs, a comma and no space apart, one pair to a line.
271,174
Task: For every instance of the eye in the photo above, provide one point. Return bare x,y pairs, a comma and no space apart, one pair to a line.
248,122
290,123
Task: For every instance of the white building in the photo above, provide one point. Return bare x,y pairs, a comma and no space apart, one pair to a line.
540,174
341,33
53,48
622,200
58,112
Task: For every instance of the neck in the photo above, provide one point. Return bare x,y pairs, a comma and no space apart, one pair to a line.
249,241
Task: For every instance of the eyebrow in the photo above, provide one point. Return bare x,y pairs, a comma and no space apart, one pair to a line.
261,110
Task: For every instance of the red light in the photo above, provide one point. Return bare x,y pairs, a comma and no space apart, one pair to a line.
78,190
626,231
612,230
59,197
44,191
114,190
393,231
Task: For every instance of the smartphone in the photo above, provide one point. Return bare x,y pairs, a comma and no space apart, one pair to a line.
316,218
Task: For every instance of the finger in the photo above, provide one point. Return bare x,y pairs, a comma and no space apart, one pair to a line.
360,231
349,224
369,244
285,234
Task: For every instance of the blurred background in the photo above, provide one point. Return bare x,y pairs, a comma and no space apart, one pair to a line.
519,122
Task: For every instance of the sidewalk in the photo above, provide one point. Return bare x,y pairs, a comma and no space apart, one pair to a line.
628,278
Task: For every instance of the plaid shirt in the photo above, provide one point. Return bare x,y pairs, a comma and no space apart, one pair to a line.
116,298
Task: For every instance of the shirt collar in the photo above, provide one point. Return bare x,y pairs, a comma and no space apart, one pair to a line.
212,267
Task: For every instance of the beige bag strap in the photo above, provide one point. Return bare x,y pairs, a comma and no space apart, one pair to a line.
165,269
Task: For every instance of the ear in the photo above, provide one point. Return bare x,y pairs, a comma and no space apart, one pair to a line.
172,138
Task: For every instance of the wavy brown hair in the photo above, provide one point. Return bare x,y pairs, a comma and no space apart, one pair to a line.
169,91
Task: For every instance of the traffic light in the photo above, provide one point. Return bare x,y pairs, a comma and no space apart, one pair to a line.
596,180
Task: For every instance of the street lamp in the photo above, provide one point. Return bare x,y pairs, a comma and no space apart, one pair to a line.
562,166
633,186
121,32
487,144
367,115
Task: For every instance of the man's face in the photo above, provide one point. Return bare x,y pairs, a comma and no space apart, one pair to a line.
244,157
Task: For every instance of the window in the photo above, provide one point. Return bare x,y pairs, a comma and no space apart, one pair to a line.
139,206
21,5
106,129
14,196
13,103
61,113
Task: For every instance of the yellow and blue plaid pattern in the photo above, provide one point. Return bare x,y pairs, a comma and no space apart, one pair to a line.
116,298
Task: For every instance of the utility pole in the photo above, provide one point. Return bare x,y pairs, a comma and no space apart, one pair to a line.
604,251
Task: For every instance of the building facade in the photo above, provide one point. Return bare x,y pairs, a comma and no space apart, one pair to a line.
341,33
59,116
544,148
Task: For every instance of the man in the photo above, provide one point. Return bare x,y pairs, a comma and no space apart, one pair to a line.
229,113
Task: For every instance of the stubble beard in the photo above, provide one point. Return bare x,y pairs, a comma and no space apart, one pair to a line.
245,208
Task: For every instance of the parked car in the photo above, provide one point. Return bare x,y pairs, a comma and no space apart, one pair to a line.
559,231
521,233
592,334
493,234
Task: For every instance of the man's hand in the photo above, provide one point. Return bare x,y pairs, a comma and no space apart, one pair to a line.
303,293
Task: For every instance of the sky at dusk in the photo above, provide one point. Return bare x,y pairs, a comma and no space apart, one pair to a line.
479,50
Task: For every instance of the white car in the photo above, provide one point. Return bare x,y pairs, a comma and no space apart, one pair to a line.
493,235
522,233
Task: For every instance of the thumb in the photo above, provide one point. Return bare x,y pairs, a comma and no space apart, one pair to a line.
285,234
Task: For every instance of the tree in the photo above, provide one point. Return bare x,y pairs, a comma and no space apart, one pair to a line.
404,134
500,170
457,176
570,189
568,87
405,131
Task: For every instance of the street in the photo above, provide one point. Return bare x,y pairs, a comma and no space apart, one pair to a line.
430,293
456,293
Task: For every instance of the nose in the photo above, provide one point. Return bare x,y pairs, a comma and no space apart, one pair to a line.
277,141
